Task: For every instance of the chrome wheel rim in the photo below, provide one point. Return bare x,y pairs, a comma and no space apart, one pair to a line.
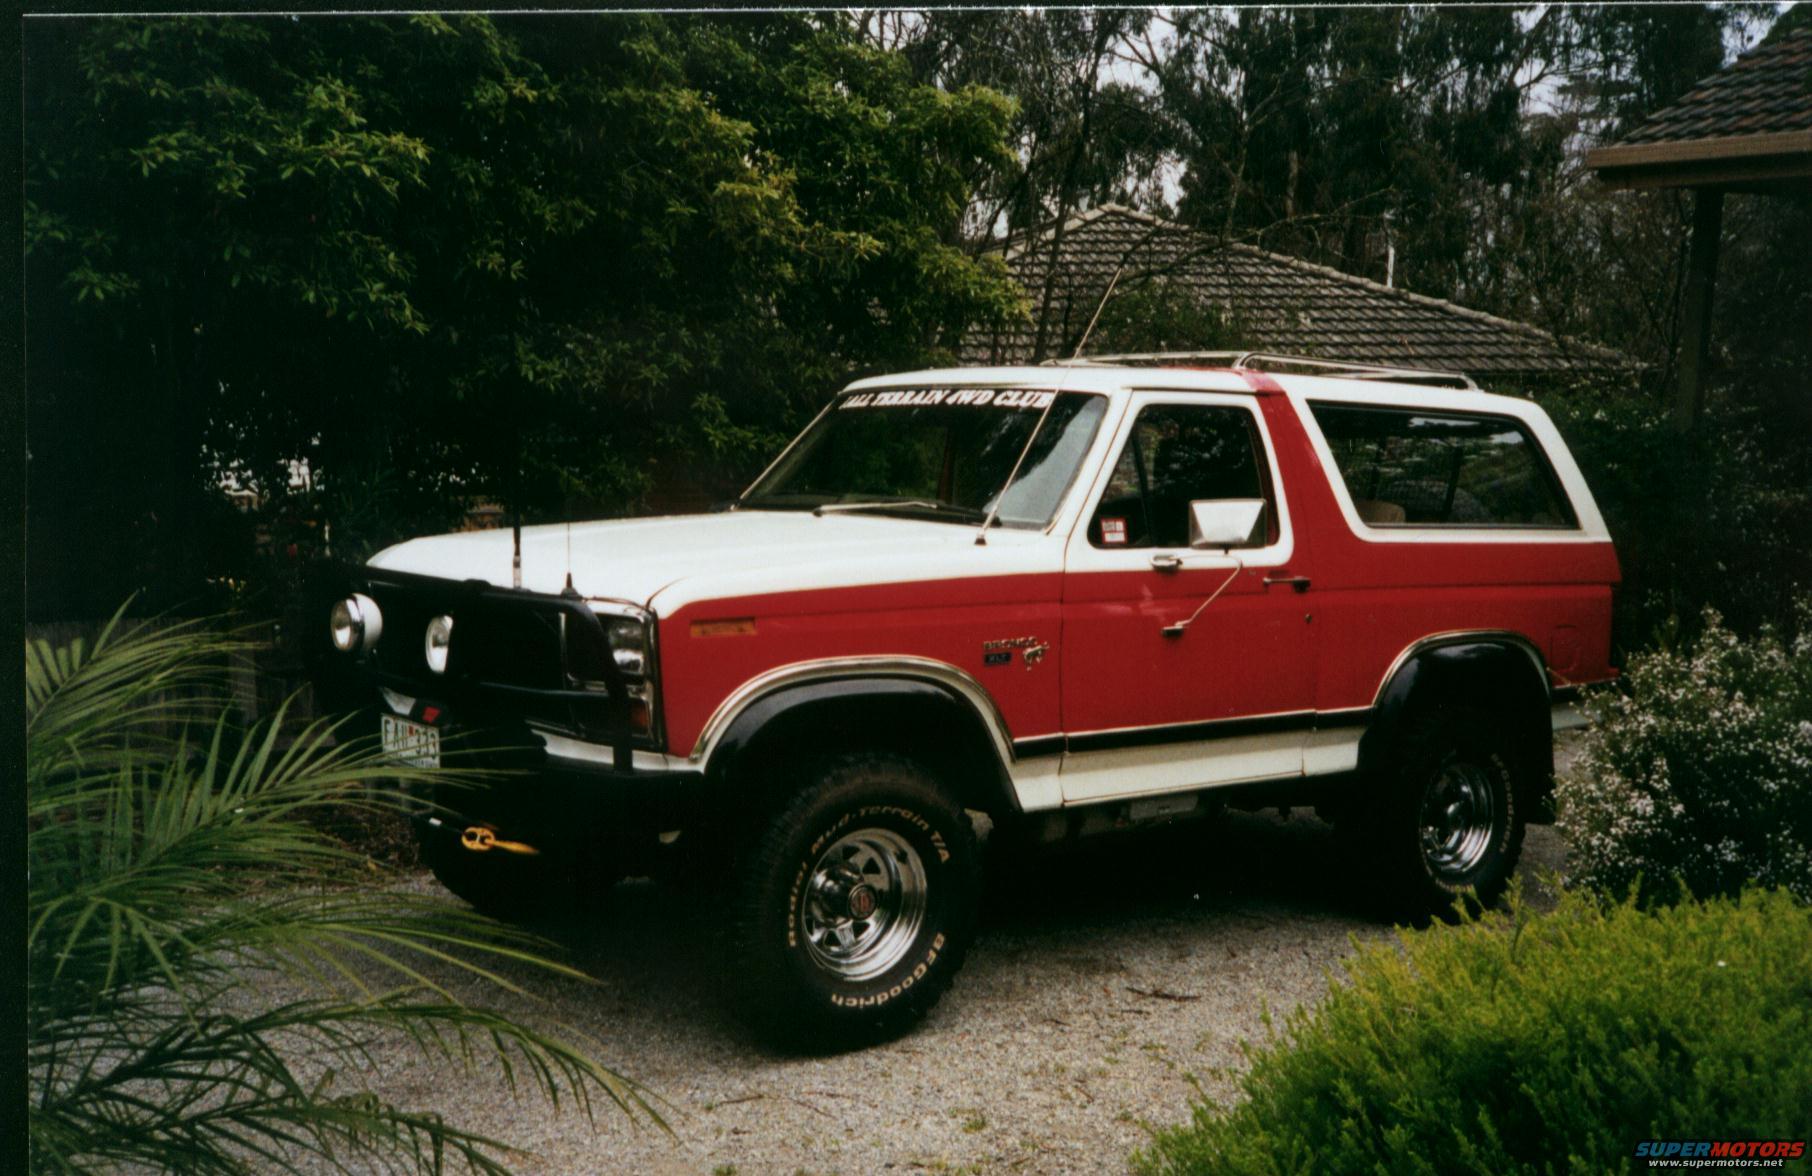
1459,813
863,904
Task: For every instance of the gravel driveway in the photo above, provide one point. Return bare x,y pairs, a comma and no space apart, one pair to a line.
1105,986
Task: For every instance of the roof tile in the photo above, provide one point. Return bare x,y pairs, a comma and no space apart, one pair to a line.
1286,304
1766,91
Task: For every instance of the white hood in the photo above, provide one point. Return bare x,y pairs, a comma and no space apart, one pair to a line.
682,558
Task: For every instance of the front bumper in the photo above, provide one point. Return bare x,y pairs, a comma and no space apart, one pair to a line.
509,779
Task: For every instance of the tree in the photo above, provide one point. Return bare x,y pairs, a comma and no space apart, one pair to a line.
1352,136
1085,132
448,257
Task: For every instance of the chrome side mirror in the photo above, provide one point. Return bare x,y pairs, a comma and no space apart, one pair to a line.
1221,523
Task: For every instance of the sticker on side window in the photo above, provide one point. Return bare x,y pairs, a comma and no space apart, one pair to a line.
1113,532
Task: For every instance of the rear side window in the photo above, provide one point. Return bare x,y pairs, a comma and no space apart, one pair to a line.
1409,468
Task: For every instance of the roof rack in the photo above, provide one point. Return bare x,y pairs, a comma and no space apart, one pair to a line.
1267,361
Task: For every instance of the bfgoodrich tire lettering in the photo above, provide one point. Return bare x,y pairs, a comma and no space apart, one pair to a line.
855,906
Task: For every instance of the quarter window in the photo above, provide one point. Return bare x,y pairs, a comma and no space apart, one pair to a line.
1175,455
1407,468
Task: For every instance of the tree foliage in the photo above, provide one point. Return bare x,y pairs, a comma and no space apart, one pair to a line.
508,257
567,261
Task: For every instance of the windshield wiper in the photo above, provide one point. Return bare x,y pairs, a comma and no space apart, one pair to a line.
967,512
769,504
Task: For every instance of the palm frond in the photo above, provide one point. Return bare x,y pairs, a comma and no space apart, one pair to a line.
175,883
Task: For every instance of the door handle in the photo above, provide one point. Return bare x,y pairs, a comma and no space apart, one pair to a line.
1166,563
1300,583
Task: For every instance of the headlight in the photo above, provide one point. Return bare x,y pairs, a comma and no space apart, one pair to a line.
436,642
355,623
628,644
631,645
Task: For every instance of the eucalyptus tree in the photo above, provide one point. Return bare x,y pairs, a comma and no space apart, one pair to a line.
1388,142
1085,127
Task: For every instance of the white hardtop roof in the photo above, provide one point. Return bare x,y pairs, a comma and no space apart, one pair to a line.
1109,380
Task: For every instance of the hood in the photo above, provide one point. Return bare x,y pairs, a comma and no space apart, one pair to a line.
666,562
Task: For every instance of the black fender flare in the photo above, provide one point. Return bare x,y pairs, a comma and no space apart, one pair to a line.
1501,673
924,719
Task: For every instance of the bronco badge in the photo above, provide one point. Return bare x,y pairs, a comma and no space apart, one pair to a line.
999,652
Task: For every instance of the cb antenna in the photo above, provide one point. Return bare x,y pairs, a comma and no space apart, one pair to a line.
516,513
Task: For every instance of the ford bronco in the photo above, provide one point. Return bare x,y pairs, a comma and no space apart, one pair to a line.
1073,598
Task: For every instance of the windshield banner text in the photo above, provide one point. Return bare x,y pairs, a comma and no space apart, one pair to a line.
971,397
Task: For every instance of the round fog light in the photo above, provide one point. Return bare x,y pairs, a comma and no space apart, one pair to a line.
434,645
355,623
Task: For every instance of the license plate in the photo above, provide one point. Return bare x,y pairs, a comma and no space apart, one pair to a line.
411,743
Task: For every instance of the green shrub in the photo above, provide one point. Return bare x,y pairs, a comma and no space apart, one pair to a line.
1699,778
1532,1044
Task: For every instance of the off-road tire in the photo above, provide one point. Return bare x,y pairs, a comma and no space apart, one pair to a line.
1449,830
871,821
512,887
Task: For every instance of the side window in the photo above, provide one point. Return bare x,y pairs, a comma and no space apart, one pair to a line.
1175,455
1407,468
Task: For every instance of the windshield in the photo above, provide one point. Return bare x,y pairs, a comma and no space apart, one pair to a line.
937,452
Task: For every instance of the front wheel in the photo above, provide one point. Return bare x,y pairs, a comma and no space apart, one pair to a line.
855,906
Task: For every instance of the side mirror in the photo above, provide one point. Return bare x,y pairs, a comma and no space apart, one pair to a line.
1227,522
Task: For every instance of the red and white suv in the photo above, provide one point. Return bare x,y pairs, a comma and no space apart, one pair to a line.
1071,597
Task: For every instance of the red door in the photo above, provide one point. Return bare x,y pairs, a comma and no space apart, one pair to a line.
1230,698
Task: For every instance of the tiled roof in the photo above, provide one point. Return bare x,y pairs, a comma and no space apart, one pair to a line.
1282,303
1767,91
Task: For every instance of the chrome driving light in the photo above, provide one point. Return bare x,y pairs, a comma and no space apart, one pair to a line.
436,643
355,624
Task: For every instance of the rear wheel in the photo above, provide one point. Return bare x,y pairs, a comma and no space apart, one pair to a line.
855,906
1450,828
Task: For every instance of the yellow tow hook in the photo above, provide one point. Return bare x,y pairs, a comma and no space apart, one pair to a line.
480,839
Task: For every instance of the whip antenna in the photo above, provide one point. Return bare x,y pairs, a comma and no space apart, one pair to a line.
569,590
1099,307
981,536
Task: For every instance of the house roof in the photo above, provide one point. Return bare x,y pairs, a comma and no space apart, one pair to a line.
1283,303
1747,126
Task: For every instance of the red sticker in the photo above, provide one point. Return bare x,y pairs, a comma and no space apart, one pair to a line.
1113,531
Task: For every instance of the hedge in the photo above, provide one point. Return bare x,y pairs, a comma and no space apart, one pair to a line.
1532,1043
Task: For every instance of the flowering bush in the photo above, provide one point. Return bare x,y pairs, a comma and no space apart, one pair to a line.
1700,776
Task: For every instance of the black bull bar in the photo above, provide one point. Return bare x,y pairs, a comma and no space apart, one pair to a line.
497,655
